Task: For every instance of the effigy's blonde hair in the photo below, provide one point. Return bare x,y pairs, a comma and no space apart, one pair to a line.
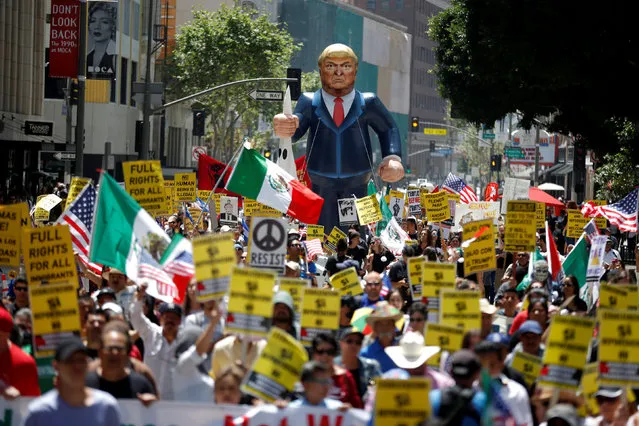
337,50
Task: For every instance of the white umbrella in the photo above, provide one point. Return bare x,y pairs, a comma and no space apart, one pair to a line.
550,187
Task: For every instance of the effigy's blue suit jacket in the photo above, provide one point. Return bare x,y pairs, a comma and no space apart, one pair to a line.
341,153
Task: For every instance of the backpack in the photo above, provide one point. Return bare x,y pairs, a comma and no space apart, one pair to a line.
456,404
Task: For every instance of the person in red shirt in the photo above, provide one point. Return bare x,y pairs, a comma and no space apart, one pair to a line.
18,371
324,350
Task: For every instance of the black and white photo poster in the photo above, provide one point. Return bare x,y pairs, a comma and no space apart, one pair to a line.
101,45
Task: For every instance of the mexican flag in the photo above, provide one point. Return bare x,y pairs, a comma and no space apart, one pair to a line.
127,238
262,180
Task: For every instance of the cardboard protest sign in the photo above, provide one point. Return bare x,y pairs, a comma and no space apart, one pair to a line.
514,189
415,269
460,309
437,208
347,282
255,208
295,287
25,219
396,204
633,295
618,347
600,221
576,223
540,214
566,351
368,210
48,255
520,230
613,297
185,187
590,386
476,210
346,211
214,257
480,254
229,212
250,306
527,365
267,243
77,185
55,314
402,402
447,337
332,239
10,234
320,313
436,277
315,232
143,180
414,207
277,369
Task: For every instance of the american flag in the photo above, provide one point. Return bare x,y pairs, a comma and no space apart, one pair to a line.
302,231
177,263
623,213
79,217
313,247
455,185
591,229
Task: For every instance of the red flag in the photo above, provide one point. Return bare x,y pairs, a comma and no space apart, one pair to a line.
302,172
552,255
492,192
209,170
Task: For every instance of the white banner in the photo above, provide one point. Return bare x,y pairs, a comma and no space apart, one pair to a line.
479,210
170,413
595,259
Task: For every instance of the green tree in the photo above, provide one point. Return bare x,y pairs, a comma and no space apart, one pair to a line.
228,45
616,177
541,58
311,81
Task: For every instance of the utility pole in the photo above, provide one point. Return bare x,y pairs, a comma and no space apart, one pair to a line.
536,180
146,120
82,70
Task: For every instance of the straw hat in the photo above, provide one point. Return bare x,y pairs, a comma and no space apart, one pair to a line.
383,311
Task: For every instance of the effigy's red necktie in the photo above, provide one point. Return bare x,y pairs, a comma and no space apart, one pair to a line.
338,112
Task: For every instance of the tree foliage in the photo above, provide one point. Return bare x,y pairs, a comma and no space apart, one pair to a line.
616,177
228,45
541,58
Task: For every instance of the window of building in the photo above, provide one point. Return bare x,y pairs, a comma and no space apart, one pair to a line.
136,21
399,4
371,4
125,19
134,77
385,4
123,81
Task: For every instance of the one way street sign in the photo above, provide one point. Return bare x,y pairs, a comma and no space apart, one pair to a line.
64,156
267,95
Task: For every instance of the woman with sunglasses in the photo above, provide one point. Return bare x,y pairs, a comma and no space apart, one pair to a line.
570,291
324,350
363,370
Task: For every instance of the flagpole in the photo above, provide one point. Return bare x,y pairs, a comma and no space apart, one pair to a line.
217,184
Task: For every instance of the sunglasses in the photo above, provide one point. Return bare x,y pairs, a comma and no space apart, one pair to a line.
417,319
376,283
330,352
325,382
20,289
566,285
356,342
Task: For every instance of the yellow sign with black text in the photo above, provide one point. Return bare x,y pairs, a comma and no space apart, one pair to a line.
48,255
633,295
460,309
332,239
347,282
576,223
315,232
368,210
214,257
447,337
415,270
320,313
143,180
437,207
520,229
527,365
185,187
402,402
438,276
613,297
10,234
480,254
250,306
255,208
77,185
618,347
295,287
601,222
540,213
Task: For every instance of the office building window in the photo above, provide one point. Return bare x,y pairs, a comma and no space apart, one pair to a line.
134,77
399,4
125,11
371,4
123,81
136,21
385,4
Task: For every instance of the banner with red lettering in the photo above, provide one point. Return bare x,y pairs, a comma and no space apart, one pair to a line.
64,38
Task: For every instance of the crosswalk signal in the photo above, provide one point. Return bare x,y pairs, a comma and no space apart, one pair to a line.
199,122
414,125
296,86
75,92
495,163
432,146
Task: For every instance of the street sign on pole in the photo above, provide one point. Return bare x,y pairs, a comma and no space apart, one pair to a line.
431,131
488,136
514,152
267,95
64,156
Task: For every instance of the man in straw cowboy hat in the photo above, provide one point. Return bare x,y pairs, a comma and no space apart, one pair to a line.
382,321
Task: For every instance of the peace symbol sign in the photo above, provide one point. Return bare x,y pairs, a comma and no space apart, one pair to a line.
269,235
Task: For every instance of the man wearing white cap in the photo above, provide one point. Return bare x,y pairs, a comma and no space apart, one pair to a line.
118,282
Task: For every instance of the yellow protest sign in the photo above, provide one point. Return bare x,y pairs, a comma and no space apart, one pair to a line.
143,180
347,282
601,222
415,270
438,276
204,194
185,187
576,223
255,208
368,210
566,351
590,386
48,255
395,193
402,402
250,301
437,207
213,256
295,287
480,254
618,347
332,239
422,197
460,309
77,185
455,197
168,206
633,295
55,314
315,232
40,215
320,313
448,338
25,218
540,214
278,367
527,365
613,297
520,226
10,234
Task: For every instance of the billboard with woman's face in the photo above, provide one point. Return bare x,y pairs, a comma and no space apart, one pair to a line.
101,46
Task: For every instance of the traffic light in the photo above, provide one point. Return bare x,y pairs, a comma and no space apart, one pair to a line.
75,92
199,122
579,162
296,86
432,146
495,163
414,125
267,154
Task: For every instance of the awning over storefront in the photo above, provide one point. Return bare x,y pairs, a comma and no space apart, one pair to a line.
536,194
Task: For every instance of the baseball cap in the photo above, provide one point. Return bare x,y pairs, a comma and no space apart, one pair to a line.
464,363
350,331
284,297
499,338
238,246
609,392
68,347
170,308
531,326
113,307
565,412
6,321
